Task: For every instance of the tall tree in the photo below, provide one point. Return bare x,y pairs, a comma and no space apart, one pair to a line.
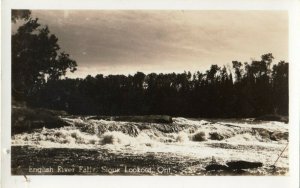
280,75
36,57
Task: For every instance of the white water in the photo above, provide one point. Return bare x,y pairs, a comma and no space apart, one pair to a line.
240,140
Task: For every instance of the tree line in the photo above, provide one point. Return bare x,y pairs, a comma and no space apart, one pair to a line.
252,90
248,89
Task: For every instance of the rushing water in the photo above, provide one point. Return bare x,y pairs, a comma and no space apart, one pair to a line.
183,147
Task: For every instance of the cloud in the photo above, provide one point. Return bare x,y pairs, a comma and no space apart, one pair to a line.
126,41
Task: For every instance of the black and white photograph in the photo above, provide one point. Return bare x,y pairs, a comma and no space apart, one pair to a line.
150,92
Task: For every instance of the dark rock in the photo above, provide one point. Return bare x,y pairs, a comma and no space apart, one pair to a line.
276,136
262,132
220,136
199,137
167,128
25,119
216,136
237,165
145,119
272,117
216,167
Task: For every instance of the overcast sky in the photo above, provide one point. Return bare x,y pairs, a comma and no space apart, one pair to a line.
124,42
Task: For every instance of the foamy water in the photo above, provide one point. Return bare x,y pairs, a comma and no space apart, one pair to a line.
184,137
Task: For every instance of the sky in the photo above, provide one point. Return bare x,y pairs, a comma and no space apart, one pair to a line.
163,41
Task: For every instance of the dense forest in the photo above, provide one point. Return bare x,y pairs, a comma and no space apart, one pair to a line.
253,90
245,89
